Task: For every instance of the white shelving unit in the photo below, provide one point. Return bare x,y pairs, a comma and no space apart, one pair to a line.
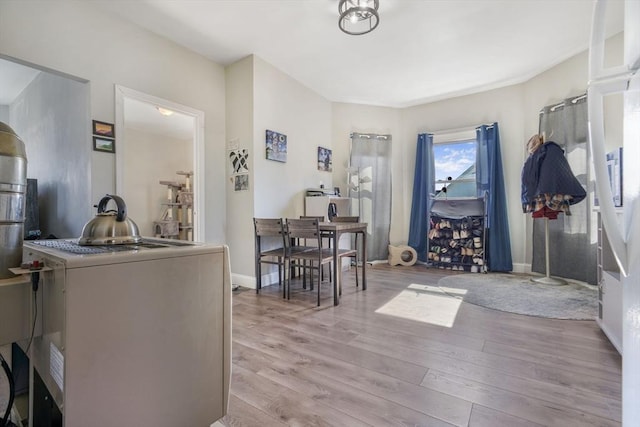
176,221
609,290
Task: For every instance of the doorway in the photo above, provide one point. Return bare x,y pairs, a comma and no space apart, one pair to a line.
158,140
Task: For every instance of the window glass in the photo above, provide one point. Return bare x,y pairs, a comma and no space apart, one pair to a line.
455,169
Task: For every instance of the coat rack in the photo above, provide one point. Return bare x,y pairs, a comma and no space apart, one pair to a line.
547,279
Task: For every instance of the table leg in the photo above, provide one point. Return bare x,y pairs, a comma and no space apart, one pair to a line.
336,276
364,260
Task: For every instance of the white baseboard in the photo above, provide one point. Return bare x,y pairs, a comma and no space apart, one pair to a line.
522,268
272,278
250,281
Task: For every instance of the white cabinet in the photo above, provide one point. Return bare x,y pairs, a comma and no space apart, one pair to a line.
609,291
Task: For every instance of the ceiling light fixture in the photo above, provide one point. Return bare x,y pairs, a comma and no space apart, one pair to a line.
358,16
164,111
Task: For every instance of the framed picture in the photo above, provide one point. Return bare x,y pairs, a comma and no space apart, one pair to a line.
276,146
241,182
324,159
104,144
104,129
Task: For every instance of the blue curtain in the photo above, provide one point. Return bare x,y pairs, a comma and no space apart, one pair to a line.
423,188
491,185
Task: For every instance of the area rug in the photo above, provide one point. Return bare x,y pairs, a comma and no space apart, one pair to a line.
516,293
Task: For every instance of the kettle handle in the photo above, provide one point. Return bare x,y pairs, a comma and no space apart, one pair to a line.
121,212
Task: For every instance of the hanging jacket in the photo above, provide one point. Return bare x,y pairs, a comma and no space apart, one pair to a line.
546,172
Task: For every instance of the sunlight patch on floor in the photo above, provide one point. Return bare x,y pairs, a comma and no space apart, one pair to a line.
424,303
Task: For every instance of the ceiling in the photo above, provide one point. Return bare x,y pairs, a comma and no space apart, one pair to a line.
145,117
13,79
422,51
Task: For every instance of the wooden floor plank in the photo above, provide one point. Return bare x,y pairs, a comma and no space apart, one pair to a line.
242,414
565,393
435,404
298,364
576,366
539,411
485,417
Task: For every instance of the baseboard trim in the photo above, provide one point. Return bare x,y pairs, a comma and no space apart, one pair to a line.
522,268
250,281
272,278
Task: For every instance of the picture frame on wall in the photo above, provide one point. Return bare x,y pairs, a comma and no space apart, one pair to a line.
276,146
325,161
104,129
105,145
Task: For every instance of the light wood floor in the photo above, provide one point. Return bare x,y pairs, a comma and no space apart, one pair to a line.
299,365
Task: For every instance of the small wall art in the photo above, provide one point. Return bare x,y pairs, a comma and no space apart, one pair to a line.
276,146
325,162
104,137
103,129
239,161
241,182
104,144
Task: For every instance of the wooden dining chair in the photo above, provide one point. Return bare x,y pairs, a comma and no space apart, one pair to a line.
314,258
355,255
274,230
326,236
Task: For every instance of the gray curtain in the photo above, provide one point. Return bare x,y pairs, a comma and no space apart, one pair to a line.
572,251
370,188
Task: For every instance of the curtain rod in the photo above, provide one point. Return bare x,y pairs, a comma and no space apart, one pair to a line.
369,135
573,100
460,129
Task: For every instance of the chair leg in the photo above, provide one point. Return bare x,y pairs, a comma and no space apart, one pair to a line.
287,281
284,285
258,276
356,258
319,279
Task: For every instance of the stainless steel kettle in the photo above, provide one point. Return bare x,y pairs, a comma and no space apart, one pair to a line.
110,227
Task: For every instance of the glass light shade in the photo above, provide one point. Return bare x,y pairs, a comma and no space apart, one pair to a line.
358,16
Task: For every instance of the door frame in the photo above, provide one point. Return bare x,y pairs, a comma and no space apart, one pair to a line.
121,93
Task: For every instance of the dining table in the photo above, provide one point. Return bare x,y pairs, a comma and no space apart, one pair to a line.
334,230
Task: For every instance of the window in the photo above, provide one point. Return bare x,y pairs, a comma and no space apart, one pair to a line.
455,169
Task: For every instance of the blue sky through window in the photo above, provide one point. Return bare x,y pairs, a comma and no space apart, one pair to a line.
452,159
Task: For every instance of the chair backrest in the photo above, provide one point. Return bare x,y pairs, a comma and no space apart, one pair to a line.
304,229
345,219
319,218
268,227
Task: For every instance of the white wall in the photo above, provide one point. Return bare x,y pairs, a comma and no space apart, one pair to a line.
500,105
4,114
51,117
349,118
144,173
515,108
240,204
83,40
284,105
262,97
